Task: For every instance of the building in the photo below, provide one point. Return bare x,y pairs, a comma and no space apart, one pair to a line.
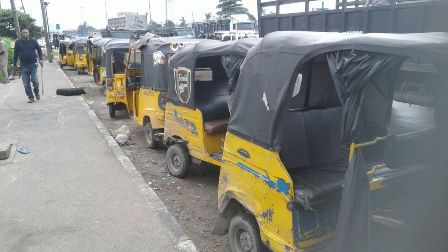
128,21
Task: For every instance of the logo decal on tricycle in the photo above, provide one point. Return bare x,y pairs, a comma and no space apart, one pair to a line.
185,123
182,77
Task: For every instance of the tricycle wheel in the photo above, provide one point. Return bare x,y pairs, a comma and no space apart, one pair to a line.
149,136
244,234
96,77
104,88
178,160
112,110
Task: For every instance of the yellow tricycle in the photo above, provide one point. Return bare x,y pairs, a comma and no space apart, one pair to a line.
150,99
80,56
197,113
66,56
319,155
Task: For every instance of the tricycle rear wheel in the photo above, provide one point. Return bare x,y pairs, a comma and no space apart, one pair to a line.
149,136
178,160
112,110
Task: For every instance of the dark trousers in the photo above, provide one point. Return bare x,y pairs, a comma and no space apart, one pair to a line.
29,74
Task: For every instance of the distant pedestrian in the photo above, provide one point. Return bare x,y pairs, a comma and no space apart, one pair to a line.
4,61
25,50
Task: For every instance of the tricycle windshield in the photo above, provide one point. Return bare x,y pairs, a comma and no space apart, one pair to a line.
118,61
80,49
135,60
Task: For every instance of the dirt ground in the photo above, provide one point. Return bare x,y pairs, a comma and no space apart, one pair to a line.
192,200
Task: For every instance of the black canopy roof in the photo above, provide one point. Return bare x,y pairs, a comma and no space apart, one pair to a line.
154,70
81,41
99,42
265,84
116,44
187,58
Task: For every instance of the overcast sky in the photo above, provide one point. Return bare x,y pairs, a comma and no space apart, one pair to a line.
72,13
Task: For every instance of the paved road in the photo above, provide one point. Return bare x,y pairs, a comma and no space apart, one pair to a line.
72,192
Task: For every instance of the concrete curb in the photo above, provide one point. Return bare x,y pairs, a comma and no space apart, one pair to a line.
177,234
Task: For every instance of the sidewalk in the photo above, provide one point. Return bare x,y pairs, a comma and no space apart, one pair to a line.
76,190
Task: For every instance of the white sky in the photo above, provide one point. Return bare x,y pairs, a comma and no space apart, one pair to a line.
71,13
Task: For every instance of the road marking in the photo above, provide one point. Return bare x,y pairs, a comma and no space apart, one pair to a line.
9,124
60,120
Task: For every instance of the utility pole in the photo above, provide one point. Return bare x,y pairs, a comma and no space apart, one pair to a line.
166,11
150,14
46,32
23,6
105,8
16,20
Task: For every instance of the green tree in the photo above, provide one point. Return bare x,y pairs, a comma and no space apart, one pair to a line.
169,24
226,8
7,24
85,30
208,16
154,25
183,22
9,44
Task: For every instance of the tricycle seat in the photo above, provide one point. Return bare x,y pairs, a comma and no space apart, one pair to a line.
216,126
313,186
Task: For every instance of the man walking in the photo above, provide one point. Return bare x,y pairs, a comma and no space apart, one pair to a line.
4,61
25,50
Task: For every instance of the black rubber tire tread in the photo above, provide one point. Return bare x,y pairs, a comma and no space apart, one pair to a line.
70,91
248,223
153,143
96,77
111,110
104,88
185,160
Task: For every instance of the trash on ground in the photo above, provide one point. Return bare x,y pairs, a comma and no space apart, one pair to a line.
124,129
22,149
121,139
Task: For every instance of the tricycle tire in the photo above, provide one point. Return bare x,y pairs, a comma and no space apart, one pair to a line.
178,160
104,88
70,91
244,234
149,136
111,110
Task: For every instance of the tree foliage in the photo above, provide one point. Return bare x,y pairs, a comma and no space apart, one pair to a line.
169,24
85,30
208,16
183,22
9,44
230,7
25,21
154,25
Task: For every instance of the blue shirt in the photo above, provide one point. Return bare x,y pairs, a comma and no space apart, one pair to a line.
25,50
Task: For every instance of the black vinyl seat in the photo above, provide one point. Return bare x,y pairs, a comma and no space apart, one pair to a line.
314,186
313,154
211,100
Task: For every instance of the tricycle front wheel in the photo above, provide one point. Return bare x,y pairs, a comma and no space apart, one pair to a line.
244,234
178,160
